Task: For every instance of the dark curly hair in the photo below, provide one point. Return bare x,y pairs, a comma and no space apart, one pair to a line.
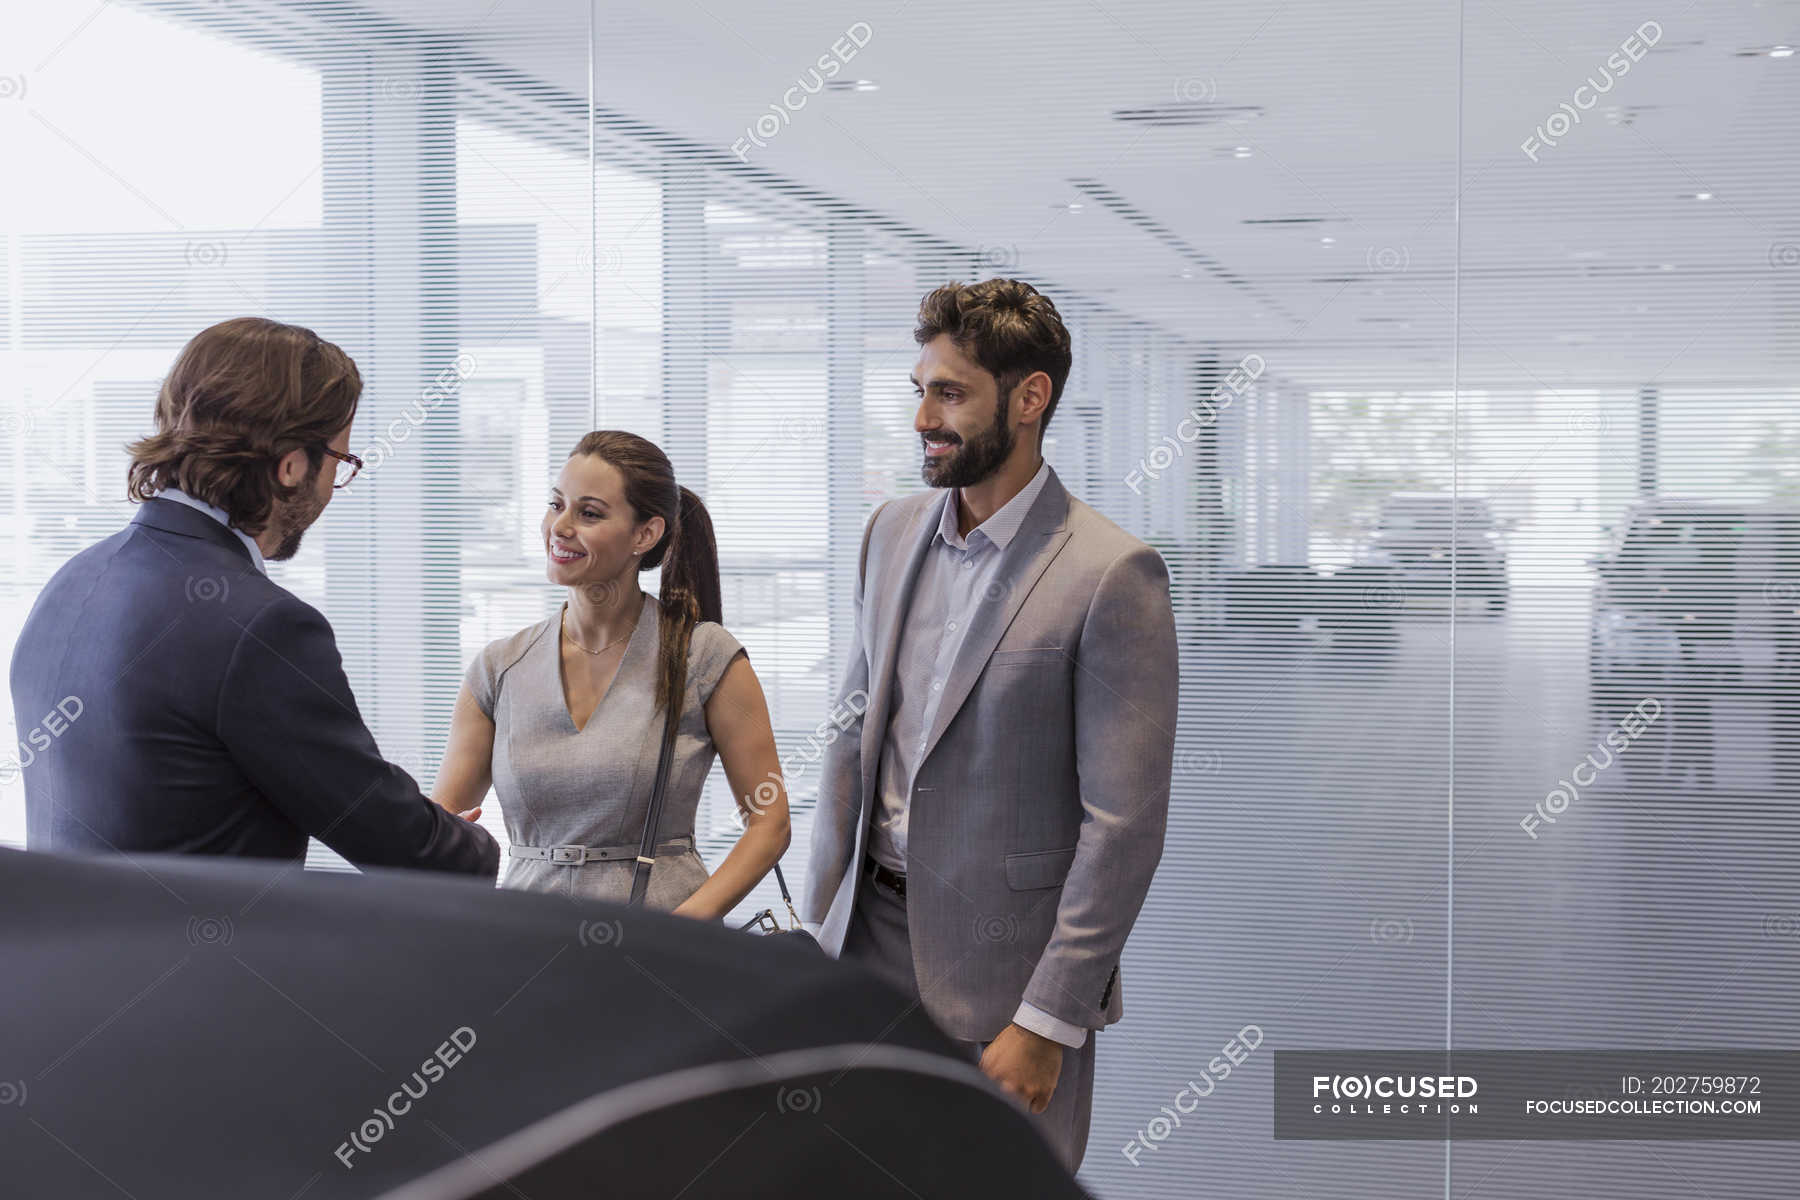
242,394
1007,326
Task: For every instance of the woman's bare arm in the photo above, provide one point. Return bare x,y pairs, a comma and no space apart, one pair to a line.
737,716
468,767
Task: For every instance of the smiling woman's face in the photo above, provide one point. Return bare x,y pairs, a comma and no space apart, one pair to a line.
590,532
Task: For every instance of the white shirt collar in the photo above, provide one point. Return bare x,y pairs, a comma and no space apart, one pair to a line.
222,517
999,528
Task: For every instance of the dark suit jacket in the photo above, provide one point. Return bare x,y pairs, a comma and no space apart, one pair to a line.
170,697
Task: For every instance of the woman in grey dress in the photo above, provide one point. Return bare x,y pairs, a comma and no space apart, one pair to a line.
564,718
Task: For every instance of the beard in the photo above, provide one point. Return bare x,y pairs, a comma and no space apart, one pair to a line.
292,518
975,459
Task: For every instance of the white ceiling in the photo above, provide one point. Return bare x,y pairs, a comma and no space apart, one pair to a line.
1592,266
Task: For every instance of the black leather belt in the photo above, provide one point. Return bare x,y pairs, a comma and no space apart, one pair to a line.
893,880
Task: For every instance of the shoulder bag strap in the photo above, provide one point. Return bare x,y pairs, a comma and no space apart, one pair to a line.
793,917
640,875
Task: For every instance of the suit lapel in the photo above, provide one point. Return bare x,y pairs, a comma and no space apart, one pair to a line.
1027,556
887,603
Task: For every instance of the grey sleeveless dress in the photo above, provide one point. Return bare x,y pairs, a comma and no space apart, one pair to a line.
591,787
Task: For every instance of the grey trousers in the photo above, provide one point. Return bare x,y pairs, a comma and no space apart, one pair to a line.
878,940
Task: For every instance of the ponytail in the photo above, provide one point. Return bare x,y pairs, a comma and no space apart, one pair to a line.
689,593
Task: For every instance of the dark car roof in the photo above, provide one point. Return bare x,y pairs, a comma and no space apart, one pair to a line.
153,1000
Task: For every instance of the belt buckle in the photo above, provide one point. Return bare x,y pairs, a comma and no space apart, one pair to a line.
568,855
887,877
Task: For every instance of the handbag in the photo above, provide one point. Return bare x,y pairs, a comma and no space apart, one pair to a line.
765,920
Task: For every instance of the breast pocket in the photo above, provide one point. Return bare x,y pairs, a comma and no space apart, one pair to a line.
1027,656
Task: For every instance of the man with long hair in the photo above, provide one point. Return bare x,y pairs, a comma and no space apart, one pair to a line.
169,695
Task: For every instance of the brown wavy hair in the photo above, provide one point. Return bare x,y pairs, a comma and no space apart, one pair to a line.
1008,327
242,394
687,552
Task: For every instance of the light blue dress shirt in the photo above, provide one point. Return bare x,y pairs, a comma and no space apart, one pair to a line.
951,585
219,515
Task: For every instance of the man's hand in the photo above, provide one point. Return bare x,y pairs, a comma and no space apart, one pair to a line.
1024,1063
473,814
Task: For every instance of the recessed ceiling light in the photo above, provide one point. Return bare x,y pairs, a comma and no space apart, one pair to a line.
1188,113
853,85
1703,195
1240,152
1665,266
1326,241
1627,114
1073,206
1781,52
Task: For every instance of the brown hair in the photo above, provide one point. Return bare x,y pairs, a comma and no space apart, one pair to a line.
1007,326
687,553
242,394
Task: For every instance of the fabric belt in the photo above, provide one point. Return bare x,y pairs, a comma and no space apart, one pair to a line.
886,876
575,856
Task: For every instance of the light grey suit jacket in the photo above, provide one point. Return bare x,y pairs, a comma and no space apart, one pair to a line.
1038,809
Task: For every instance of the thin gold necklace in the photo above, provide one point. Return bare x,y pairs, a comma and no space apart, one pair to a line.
562,624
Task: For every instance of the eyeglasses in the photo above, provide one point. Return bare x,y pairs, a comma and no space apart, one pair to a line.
348,466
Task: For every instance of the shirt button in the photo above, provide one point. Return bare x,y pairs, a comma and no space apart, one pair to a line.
968,562
953,627
937,685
